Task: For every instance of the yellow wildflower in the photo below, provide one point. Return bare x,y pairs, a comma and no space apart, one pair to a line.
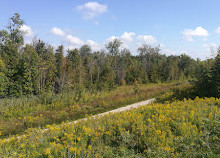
47,151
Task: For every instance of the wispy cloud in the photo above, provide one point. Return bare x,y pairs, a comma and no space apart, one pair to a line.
188,34
90,10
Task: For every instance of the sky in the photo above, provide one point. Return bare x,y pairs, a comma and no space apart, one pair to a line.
188,26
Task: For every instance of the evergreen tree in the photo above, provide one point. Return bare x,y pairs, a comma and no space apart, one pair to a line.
107,76
47,67
76,72
50,60
60,67
29,70
10,43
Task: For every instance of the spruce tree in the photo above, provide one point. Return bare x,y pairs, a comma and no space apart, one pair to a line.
11,42
60,69
29,70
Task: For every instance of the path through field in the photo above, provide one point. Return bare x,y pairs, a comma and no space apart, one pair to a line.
125,108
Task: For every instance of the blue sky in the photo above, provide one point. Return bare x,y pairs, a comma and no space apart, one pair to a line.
187,26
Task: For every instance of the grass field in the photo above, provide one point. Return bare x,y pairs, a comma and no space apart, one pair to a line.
188,128
19,114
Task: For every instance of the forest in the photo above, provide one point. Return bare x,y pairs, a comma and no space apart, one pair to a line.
37,68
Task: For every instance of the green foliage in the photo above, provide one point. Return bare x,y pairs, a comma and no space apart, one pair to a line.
10,41
113,47
180,92
215,76
208,83
107,77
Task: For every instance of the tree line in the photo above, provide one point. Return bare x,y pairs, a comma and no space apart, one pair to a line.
35,68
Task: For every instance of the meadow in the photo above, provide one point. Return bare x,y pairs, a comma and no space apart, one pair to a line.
45,87
19,114
188,128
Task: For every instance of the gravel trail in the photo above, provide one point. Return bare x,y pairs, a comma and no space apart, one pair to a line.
125,108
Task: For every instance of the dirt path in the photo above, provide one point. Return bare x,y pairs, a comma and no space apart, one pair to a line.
125,108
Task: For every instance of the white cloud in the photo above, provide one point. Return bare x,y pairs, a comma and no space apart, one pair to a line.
72,45
92,9
127,37
74,40
26,30
57,31
95,46
28,34
197,32
147,39
111,38
218,30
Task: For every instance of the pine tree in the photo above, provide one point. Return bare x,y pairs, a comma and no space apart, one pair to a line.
11,41
60,67
107,76
47,67
50,60
29,70
76,72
